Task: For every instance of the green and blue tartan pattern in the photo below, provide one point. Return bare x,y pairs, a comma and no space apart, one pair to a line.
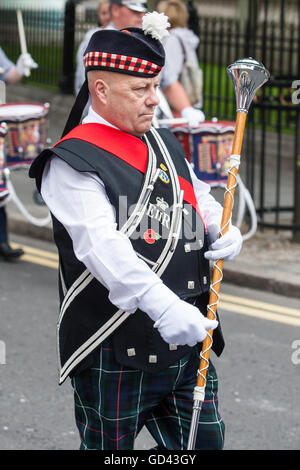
113,403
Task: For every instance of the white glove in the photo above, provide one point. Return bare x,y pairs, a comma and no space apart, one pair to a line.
183,324
25,62
226,247
193,115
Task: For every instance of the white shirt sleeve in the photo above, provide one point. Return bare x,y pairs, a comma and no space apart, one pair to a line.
79,201
5,64
174,59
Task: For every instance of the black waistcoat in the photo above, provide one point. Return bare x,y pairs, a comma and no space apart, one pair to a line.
155,207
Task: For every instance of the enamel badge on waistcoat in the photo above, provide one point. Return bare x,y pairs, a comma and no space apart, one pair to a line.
153,231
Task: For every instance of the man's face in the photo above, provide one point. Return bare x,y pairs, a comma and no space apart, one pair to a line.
131,102
123,17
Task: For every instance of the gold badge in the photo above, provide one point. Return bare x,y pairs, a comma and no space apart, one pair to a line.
163,175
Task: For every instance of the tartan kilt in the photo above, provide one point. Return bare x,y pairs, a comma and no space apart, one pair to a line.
113,403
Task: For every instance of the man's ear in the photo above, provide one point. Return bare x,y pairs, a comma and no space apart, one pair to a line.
101,90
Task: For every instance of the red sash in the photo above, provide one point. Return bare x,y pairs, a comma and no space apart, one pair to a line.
125,146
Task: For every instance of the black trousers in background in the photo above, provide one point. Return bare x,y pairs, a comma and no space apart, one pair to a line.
3,225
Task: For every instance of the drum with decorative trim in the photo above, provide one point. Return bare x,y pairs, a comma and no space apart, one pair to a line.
183,134
3,187
212,146
208,147
27,132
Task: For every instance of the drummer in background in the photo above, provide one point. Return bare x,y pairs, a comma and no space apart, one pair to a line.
11,73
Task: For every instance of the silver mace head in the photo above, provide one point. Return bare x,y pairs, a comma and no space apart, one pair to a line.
247,76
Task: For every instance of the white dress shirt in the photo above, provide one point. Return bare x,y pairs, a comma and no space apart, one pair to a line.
79,201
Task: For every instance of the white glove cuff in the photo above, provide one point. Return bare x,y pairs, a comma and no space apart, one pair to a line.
20,65
157,300
186,111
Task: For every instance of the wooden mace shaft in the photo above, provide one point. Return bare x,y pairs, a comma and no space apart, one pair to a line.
218,267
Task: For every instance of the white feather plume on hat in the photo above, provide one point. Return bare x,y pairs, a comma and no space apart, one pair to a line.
156,25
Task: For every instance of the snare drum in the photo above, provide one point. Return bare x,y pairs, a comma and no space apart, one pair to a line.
208,147
26,136
212,146
183,134
3,187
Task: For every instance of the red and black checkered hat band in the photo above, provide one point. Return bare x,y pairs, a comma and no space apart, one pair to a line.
118,62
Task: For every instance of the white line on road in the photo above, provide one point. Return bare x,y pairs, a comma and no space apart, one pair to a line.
261,313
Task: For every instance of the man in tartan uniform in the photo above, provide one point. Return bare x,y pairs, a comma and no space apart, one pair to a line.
135,231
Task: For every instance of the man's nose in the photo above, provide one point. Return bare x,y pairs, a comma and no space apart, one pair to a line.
153,99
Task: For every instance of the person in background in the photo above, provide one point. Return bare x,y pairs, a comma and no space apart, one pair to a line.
181,44
11,73
125,14
103,14
121,14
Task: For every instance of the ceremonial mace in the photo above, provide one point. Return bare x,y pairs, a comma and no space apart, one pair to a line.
247,76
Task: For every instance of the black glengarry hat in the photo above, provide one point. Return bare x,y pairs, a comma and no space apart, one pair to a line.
127,51
132,51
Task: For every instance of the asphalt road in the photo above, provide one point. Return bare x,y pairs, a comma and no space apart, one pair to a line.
259,370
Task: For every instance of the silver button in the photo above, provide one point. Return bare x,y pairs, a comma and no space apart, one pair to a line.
204,280
191,284
131,352
187,248
200,243
172,347
153,359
